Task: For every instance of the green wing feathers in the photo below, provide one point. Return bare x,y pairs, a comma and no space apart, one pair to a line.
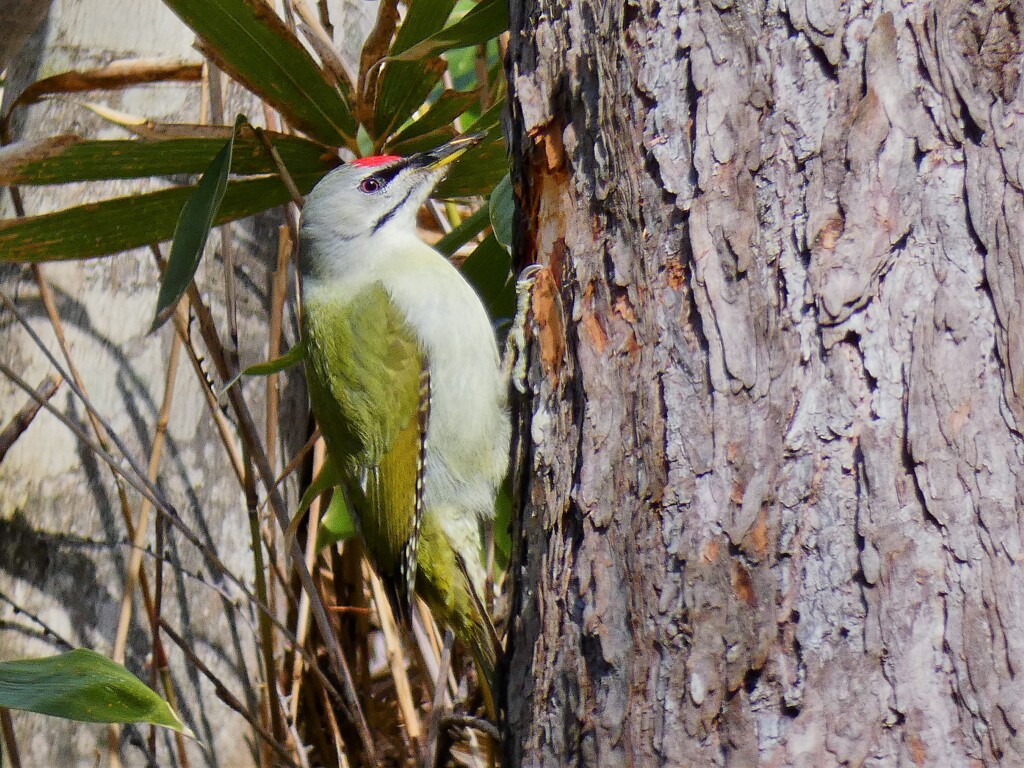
366,383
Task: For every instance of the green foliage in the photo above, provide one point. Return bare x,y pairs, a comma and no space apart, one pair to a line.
249,41
194,223
83,685
337,524
486,20
98,229
502,208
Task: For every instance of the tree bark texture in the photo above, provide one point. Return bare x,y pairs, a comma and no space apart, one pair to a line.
772,507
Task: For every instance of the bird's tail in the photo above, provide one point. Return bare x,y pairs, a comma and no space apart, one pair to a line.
484,644
456,604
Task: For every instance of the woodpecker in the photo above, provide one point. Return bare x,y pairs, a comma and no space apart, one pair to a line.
406,384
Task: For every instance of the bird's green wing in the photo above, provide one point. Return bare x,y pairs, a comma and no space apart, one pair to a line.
371,397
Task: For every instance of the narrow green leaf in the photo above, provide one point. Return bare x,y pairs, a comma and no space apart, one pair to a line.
470,227
478,171
197,217
489,270
448,106
62,159
502,208
502,524
486,20
482,167
293,356
83,685
337,523
327,478
111,226
252,44
404,85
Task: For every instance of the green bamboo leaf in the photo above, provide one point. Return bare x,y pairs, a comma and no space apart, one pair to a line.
83,685
337,523
486,20
62,159
404,85
502,209
489,270
197,217
251,43
122,223
293,356
479,170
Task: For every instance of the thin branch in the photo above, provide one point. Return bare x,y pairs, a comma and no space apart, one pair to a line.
23,418
7,728
282,170
302,621
440,689
226,696
396,659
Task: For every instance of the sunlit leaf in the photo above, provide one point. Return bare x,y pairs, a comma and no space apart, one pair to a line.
193,229
502,209
83,685
251,43
327,478
111,226
449,105
62,159
486,20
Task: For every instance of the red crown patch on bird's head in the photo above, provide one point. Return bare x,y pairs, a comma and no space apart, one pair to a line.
370,162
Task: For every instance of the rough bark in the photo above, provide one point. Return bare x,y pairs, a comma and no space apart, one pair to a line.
774,462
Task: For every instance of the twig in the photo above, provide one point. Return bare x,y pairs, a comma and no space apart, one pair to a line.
323,44
102,431
440,688
21,420
138,539
226,696
396,658
302,621
45,628
485,727
282,170
7,727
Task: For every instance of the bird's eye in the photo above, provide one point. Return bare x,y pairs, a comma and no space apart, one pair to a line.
369,185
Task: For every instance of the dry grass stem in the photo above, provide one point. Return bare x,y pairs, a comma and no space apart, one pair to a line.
227,697
396,657
302,621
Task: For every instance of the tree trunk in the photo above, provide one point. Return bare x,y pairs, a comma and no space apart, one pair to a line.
774,461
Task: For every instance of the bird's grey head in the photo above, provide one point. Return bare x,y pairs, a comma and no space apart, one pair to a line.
371,200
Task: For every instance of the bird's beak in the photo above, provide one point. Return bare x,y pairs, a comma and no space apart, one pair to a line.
439,157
